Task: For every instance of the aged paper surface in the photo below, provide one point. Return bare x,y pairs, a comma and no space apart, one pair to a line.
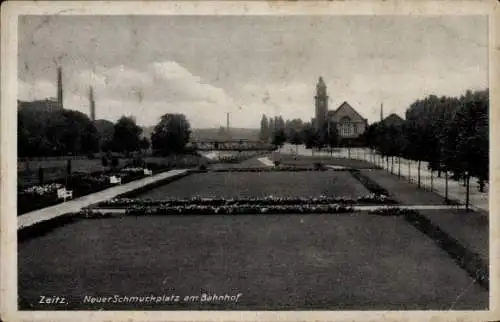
286,201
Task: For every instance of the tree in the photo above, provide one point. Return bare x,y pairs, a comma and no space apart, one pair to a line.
171,134
145,143
281,123
264,129
309,136
44,132
127,135
271,127
279,137
295,138
332,135
106,130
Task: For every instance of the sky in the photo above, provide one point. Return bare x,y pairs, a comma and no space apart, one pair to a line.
207,66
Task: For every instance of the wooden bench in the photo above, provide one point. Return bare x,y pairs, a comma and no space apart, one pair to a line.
148,172
62,193
115,180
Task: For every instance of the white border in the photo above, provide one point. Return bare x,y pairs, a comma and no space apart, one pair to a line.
8,156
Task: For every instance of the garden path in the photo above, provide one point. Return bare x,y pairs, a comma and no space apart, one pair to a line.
266,161
456,190
75,205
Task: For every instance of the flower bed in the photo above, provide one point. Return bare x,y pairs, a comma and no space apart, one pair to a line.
267,201
41,190
134,170
42,196
237,158
241,209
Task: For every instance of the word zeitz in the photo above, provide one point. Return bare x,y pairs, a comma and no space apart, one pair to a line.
52,300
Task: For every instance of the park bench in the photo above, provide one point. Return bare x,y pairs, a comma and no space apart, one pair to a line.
115,180
148,172
62,193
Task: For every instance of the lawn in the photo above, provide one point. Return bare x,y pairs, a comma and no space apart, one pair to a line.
403,191
331,262
301,160
259,184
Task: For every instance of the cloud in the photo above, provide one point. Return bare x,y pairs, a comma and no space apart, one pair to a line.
148,93
38,90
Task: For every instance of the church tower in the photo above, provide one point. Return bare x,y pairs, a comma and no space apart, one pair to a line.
321,100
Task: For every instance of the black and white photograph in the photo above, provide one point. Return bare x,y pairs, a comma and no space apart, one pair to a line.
252,162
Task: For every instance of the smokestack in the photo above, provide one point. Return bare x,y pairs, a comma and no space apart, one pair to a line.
59,88
381,112
92,103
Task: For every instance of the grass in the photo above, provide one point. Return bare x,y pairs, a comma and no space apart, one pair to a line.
288,159
259,184
331,262
321,261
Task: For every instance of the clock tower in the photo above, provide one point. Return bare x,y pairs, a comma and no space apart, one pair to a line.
321,101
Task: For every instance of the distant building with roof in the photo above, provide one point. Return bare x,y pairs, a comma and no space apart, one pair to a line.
393,120
48,104
350,124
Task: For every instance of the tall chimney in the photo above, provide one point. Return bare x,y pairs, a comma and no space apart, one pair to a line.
227,123
59,88
381,112
92,103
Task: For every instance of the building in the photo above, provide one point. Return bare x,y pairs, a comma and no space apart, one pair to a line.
350,124
48,104
393,120
321,104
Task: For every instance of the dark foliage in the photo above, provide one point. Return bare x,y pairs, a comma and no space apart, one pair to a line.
171,134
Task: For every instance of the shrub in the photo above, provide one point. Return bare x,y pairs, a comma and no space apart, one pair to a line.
40,175
104,161
114,162
137,162
68,167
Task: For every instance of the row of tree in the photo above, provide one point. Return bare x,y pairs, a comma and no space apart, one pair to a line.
278,131
451,134
61,132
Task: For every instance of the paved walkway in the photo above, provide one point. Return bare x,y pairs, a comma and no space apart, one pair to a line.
77,204
456,190
266,161
335,167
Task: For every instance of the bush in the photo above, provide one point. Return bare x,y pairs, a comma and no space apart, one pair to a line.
68,167
104,161
115,162
318,166
138,162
